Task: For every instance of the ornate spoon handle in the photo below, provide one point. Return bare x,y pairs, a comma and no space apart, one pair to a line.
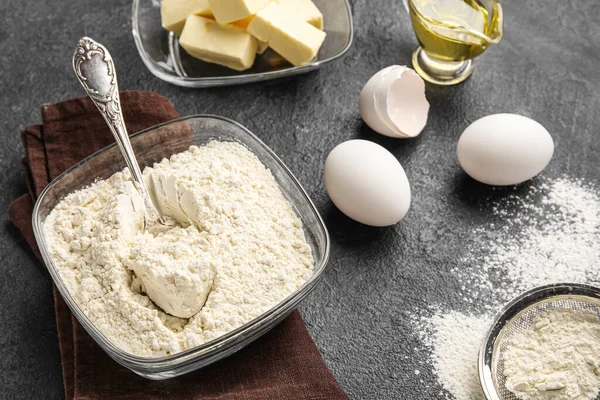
95,70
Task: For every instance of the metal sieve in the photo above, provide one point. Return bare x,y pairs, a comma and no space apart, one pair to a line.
517,316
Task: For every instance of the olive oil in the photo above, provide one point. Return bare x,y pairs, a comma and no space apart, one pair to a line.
456,30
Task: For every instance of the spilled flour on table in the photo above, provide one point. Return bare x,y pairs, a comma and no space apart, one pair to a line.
548,236
453,339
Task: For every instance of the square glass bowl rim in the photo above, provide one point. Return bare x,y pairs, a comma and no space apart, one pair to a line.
232,79
212,345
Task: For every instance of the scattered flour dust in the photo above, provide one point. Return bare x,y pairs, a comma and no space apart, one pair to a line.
454,339
238,245
549,235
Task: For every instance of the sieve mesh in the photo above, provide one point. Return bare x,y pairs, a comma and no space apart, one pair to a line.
523,320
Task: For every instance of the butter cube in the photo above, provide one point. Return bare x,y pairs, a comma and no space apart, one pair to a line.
243,23
173,13
289,35
306,10
208,41
262,47
227,11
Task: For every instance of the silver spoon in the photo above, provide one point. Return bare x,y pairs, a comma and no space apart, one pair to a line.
95,70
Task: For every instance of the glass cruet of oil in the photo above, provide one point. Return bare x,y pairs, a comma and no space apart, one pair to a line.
451,34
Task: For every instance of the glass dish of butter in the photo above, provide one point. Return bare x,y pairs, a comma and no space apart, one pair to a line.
164,55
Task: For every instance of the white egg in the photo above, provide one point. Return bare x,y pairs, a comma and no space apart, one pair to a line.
504,149
367,183
393,102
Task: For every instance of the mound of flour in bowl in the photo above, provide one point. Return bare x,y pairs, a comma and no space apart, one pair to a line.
235,228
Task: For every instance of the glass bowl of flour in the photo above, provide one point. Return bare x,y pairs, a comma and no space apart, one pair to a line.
244,228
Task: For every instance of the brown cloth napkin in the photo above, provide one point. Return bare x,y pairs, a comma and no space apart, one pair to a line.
283,364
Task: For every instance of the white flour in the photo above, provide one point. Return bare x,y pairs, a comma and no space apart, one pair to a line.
239,239
558,358
528,244
454,339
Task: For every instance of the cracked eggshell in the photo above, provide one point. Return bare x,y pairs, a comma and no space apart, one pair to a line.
366,103
504,149
393,102
367,183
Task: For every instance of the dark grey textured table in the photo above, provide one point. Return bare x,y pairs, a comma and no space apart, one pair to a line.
547,67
